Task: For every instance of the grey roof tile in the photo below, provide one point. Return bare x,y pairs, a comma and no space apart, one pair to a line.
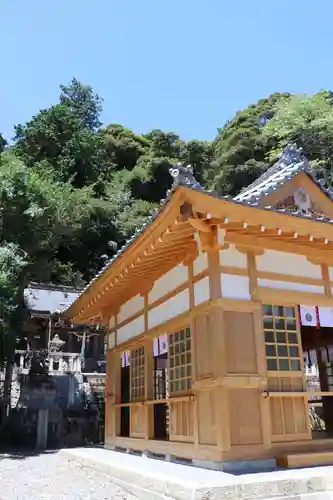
291,163
48,299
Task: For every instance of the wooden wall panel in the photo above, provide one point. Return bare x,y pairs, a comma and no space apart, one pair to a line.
206,407
138,421
203,337
240,343
289,419
109,416
301,416
207,342
181,421
245,417
276,417
285,384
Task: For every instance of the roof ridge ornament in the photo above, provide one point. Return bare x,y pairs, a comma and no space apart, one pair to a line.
183,176
292,155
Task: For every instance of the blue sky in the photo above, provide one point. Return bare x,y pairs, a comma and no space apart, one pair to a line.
180,65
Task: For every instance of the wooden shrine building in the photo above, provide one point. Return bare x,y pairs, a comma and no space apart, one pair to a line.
205,346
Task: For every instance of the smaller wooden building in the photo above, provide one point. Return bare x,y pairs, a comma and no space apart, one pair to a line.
44,302
205,358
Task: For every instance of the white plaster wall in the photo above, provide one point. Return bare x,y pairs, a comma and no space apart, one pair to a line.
200,264
287,263
130,308
232,258
293,286
171,280
235,287
330,273
111,340
201,291
131,330
169,309
112,322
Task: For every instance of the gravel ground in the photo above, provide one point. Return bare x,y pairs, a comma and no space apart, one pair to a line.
51,477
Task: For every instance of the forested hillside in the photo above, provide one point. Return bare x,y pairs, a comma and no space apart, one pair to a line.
72,191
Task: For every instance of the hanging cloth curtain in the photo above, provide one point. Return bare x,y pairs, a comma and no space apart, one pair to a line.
309,316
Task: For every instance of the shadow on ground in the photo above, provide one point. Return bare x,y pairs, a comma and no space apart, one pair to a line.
14,453
21,454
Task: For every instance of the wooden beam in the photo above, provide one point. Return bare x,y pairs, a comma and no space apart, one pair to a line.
266,243
257,216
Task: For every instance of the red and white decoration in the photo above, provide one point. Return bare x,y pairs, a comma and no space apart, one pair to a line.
316,316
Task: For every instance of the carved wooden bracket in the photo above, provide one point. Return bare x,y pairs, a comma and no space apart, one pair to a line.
146,288
186,211
191,256
251,250
200,224
208,241
318,261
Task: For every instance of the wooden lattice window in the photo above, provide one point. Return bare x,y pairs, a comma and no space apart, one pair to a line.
138,374
180,361
281,338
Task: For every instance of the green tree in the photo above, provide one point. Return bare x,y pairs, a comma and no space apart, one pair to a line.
63,139
122,148
83,102
308,122
200,155
3,143
240,151
12,310
37,215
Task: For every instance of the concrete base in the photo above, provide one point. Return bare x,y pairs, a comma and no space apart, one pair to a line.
244,467
240,467
152,479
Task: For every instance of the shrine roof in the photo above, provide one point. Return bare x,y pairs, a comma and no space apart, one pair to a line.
47,299
290,164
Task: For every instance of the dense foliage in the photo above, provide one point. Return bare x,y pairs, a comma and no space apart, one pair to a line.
72,191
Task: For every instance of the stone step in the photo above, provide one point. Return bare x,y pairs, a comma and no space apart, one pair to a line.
151,479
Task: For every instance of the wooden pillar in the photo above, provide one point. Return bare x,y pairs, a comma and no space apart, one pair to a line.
109,397
112,394
149,388
211,247
112,388
211,399
252,272
262,372
326,280
259,346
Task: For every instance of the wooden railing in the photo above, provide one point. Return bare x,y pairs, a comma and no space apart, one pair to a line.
60,362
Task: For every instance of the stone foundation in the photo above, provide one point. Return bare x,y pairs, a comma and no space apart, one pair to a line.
156,480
